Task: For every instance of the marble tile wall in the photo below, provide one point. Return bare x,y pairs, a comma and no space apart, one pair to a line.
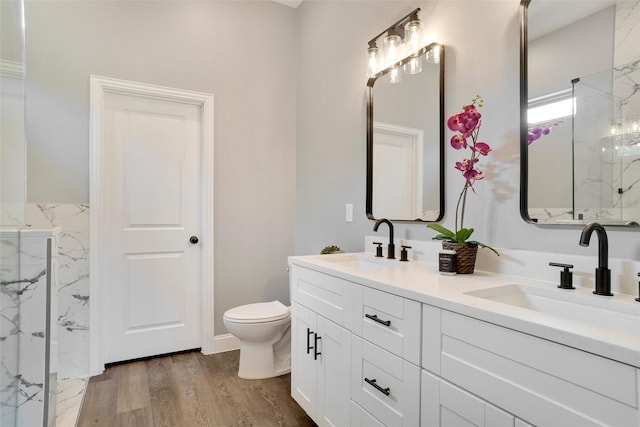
626,88
73,281
23,324
9,324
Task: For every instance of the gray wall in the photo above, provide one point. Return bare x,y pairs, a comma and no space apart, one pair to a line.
481,38
290,150
242,52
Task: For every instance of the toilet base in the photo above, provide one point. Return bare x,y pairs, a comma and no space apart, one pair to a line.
259,362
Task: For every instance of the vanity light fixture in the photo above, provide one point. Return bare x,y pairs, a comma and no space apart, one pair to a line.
433,56
413,35
393,47
414,66
402,39
374,59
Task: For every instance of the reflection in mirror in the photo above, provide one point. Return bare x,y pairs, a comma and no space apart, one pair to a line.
580,142
405,175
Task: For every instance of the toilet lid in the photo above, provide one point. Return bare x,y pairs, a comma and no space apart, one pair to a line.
258,312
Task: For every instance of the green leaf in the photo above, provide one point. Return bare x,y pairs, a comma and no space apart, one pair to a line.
445,232
482,245
443,237
463,234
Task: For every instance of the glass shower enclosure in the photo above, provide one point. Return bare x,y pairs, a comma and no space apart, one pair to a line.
606,147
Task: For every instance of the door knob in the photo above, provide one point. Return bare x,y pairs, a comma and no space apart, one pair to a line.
193,239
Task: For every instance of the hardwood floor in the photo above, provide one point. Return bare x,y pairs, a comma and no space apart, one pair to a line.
190,390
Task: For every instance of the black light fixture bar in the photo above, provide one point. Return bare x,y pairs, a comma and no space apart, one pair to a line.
398,23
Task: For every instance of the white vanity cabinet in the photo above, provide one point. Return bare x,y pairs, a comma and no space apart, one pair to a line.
320,346
479,374
369,353
355,352
320,367
385,372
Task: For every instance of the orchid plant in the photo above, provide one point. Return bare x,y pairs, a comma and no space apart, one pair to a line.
466,124
535,132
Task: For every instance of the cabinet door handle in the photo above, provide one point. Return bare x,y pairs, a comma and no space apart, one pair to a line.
375,385
316,353
375,318
309,347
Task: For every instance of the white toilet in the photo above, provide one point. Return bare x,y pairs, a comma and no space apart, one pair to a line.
264,331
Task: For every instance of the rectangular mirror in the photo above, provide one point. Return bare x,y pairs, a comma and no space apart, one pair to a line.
405,139
580,111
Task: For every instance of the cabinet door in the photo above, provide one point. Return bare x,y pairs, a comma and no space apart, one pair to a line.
333,373
303,365
444,404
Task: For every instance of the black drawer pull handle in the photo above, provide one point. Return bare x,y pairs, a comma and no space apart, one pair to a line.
373,383
309,347
374,317
316,353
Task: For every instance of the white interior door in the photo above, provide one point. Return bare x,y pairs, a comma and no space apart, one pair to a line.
152,165
398,165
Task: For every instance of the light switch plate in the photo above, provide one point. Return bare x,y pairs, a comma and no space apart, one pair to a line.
349,212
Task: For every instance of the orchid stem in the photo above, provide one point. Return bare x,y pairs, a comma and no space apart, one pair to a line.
463,196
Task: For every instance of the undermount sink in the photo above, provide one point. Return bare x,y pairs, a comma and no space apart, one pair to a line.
359,261
574,305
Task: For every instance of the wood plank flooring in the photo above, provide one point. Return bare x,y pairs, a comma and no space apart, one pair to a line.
190,390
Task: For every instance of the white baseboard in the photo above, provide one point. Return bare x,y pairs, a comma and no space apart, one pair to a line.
226,342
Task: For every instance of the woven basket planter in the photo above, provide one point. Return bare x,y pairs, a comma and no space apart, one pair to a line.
465,256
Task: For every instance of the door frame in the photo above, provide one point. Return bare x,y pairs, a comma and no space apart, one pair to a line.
99,86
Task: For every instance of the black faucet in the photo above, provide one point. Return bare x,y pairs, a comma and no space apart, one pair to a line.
391,248
603,274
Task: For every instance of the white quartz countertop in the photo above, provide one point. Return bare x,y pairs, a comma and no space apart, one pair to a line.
421,281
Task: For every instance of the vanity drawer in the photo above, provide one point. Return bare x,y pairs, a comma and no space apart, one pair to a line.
327,295
384,385
361,418
390,321
541,381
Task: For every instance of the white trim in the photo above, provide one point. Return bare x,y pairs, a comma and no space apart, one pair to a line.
98,87
226,342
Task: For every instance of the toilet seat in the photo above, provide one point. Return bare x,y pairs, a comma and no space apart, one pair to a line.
260,312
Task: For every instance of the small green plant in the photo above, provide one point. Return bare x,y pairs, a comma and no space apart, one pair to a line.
330,249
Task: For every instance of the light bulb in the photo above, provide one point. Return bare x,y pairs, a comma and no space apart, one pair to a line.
412,36
392,48
395,76
414,66
373,60
433,56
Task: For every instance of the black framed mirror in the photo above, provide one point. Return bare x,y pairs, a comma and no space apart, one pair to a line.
405,139
580,111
